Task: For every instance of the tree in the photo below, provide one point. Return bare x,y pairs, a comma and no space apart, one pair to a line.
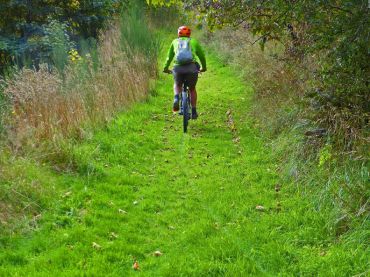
23,24
336,32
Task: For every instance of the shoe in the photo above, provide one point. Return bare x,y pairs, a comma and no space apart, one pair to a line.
176,105
194,114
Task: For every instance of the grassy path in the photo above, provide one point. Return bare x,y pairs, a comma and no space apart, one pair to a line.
192,197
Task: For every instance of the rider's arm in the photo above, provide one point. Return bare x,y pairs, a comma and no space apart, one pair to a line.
200,53
170,55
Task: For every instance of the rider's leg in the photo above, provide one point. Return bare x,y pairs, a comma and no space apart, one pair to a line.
193,99
193,95
192,79
177,89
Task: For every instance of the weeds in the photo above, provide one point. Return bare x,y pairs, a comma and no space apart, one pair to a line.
137,39
44,111
49,107
329,165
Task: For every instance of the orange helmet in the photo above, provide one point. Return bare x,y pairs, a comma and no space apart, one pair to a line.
184,31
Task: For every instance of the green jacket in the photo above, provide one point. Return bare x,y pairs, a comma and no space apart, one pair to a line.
195,48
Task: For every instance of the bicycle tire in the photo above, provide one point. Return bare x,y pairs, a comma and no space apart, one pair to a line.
185,110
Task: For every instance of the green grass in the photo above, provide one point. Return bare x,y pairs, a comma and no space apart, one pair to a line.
191,196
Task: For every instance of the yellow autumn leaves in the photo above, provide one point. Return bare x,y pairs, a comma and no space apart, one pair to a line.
162,2
74,56
74,4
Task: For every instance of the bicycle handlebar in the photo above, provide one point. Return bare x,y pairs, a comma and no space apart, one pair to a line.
171,71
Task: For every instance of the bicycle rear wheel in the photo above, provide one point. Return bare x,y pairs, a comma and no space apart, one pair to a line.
185,110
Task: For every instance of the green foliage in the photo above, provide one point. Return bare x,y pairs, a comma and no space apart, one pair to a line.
324,155
137,36
59,43
23,25
333,33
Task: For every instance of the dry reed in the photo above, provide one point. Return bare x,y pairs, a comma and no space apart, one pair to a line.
48,107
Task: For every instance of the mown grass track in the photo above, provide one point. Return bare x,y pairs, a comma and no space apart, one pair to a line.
147,186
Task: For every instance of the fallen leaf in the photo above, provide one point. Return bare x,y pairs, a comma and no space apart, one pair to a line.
277,187
37,217
158,253
96,246
136,266
135,202
68,193
122,211
260,208
113,235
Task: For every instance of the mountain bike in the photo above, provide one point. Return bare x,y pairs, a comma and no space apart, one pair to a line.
185,105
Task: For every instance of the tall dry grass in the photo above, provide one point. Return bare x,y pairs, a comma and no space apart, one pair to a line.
279,86
44,111
48,107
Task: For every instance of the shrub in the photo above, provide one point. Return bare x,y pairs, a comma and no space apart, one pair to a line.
333,35
24,26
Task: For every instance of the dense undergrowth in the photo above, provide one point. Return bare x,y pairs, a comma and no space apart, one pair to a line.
45,112
315,163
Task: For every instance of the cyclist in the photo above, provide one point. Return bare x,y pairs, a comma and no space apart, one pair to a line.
184,49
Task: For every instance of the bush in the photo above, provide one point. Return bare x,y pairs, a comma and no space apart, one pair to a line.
24,27
328,40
